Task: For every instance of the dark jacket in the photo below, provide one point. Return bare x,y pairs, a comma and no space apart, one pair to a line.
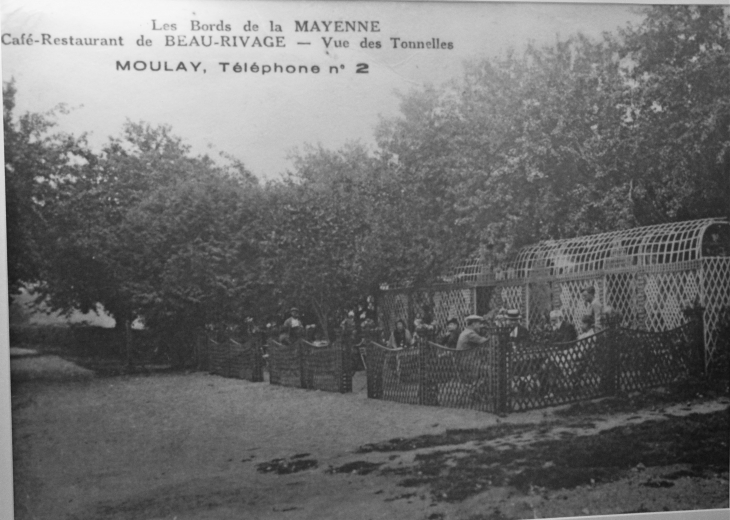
566,332
450,338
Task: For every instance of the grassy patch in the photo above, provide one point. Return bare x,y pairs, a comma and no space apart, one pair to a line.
285,467
449,437
698,440
680,392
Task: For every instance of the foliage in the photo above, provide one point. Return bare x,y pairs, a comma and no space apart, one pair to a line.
38,164
572,138
678,113
318,233
578,137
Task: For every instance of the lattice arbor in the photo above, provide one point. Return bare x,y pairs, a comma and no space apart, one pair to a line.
649,275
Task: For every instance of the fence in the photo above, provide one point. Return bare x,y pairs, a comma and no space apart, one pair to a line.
232,358
432,375
302,364
503,377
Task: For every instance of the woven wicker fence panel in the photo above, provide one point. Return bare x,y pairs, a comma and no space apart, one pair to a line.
218,357
667,294
393,374
460,378
622,293
244,360
393,306
716,278
511,296
541,375
571,301
284,364
540,303
649,359
419,299
400,376
455,303
322,367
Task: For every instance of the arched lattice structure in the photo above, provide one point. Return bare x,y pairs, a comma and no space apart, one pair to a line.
663,245
649,275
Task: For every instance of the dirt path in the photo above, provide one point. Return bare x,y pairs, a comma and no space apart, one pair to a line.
193,446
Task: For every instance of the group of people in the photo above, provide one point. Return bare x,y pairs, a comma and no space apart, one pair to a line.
473,335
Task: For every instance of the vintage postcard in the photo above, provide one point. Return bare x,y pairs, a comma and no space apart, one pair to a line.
333,259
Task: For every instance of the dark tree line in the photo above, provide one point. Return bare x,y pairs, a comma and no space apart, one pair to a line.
577,137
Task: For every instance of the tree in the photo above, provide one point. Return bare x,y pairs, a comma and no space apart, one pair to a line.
125,220
38,165
318,229
572,138
678,112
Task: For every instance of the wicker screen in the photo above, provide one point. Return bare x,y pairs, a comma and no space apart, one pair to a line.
240,360
716,285
392,306
456,303
667,295
322,366
284,364
571,301
624,292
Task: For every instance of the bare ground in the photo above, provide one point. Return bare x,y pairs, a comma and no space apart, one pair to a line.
196,446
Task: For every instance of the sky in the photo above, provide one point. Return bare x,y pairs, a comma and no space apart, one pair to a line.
260,119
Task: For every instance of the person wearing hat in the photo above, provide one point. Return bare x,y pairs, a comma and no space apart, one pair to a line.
451,337
469,336
292,328
517,333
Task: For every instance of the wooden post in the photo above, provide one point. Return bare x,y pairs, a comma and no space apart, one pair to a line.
427,388
374,367
609,348
128,340
502,346
345,360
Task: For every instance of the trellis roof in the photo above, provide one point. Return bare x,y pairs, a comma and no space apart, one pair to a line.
658,245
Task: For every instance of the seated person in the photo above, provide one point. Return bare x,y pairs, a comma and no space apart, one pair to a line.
611,317
562,331
469,336
586,326
400,337
451,337
518,333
